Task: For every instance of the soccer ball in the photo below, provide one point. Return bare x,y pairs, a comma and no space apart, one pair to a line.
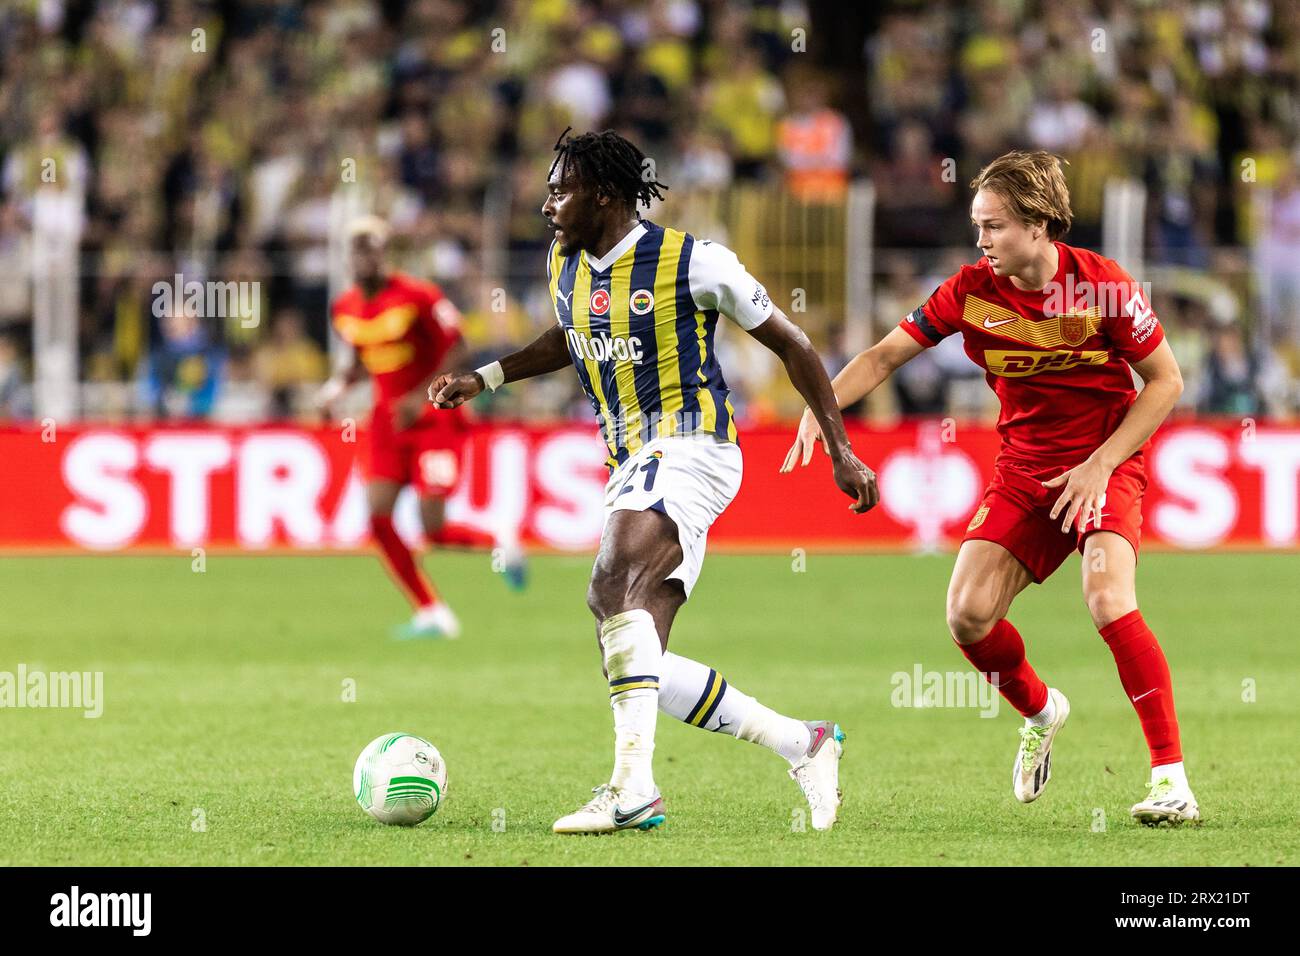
400,779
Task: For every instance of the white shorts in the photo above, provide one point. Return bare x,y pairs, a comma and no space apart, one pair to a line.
690,478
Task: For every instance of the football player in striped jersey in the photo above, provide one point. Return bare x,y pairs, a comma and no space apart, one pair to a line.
636,313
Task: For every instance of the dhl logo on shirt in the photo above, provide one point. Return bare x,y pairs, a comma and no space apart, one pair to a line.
1020,364
1070,329
387,326
386,357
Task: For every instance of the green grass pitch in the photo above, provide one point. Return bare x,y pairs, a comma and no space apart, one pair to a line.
225,738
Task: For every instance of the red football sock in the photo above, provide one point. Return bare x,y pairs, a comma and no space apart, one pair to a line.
397,556
461,536
1144,672
1002,653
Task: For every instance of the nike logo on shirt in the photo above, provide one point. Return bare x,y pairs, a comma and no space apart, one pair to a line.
994,325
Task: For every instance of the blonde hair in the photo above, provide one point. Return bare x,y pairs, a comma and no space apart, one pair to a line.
1032,184
369,226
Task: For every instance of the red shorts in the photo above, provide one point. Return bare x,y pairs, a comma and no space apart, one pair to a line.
426,455
1016,508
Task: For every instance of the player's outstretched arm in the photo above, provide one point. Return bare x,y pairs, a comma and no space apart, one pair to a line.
807,374
411,405
547,353
864,373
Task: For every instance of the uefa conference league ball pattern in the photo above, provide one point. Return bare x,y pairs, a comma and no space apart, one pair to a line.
399,779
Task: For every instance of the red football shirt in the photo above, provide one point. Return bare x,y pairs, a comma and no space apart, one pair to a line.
402,335
1056,357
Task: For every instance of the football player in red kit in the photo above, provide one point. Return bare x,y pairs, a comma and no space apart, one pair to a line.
405,332
1056,329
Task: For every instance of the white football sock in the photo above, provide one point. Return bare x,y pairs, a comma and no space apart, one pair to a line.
632,654
505,535
788,737
1044,716
1174,771
698,695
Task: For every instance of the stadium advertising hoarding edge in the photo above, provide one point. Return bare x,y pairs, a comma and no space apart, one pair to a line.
108,488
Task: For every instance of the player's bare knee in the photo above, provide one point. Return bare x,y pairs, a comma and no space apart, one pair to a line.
605,594
1108,603
432,526
381,497
970,619
614,590
596,600
613,597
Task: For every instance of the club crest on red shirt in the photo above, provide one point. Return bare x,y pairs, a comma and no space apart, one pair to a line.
1074,328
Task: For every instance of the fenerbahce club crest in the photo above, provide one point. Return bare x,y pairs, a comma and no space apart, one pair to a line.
642,302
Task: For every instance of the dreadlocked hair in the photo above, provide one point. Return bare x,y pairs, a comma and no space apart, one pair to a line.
610,164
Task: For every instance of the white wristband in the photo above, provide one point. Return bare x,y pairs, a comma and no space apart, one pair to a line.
493,376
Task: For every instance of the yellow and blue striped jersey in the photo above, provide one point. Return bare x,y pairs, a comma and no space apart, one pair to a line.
640,326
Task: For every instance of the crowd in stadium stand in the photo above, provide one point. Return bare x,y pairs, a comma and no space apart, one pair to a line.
219,139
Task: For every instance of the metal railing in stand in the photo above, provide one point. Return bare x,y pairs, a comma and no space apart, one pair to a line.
57,218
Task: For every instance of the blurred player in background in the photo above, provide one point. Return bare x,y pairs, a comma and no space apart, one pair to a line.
636,308
1056,329
405,332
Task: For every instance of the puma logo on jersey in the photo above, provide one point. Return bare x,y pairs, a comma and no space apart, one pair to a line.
602,348
566,299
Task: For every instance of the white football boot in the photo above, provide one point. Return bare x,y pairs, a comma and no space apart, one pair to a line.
818,772
1167,803
436,621
1034,757
611,809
